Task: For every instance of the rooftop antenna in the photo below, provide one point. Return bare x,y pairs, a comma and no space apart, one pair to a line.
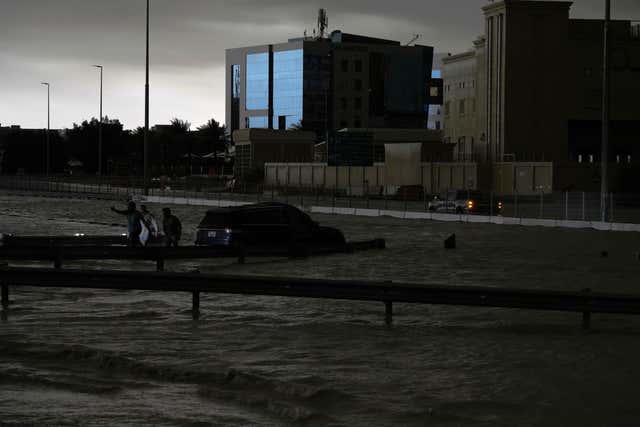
323,22
414,39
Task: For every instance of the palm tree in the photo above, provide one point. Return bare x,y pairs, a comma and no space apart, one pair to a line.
214,135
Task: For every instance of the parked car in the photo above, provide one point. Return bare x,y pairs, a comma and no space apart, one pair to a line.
466,202
264,224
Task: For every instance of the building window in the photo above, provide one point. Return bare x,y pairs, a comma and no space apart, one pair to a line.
438,125
235,97
257,122
235,85
344,65
357,103
357,84
447,108
288,86
433,92
257,81
357,123
436,74
343,124
473,105
358,66
343,103
461,107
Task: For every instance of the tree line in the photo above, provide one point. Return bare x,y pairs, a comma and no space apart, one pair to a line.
174,149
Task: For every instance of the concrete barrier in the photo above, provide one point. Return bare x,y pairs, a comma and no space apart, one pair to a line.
417,215
478,219
367,212
344,211
322,210
446,217
534,222
393,214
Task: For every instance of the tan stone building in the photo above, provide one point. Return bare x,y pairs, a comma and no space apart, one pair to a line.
531,88
463,103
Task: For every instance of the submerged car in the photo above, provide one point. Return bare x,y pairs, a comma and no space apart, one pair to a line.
466,202
264,224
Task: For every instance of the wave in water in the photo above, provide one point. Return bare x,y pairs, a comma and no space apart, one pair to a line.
305,403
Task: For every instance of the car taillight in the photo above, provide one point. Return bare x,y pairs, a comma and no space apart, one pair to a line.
499,205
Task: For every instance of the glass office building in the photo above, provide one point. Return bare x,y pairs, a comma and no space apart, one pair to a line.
287,88
257,80
324,84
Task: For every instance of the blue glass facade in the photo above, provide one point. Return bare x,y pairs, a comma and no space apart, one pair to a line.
257,122
288,72
257,81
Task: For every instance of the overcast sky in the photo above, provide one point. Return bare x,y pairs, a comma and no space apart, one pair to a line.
58,41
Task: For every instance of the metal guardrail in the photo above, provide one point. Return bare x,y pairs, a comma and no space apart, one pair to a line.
584,302
38,248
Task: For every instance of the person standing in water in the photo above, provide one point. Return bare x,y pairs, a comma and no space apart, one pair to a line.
150,222
134,225
172,228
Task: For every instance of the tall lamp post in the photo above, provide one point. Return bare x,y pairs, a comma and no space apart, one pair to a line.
146,115
605,115
47,166
100,125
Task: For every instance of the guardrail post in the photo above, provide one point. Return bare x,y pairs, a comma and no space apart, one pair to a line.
541,204
195,305
611,208
586,315
5,296
57,261
388,312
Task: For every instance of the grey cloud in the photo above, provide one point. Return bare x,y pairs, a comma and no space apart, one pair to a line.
41,39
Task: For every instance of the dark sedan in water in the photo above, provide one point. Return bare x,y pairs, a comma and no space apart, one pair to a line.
264,224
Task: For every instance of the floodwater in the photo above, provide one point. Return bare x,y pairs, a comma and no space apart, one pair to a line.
103,358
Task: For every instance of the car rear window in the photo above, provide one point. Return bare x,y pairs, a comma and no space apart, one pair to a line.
216,220
262,216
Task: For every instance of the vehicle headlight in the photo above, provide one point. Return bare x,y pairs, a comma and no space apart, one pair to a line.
470,204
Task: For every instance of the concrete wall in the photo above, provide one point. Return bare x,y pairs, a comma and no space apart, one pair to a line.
522,178
435,178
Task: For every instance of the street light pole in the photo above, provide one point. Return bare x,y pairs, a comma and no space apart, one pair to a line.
146,115
100,126
47,166
605,115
